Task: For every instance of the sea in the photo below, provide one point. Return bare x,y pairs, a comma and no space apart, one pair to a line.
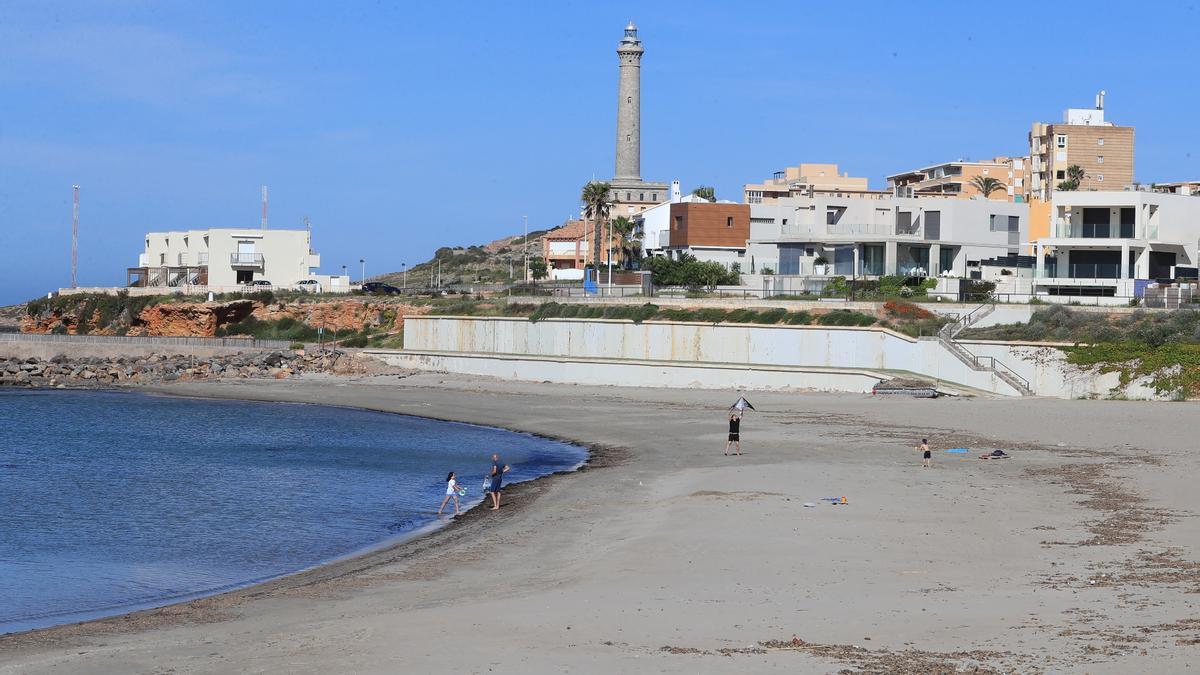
112,502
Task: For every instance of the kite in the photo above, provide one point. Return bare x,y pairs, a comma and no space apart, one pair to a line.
741,405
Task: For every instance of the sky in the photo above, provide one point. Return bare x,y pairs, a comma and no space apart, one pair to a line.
400,127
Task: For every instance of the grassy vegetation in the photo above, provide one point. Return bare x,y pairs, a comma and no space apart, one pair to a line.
286,328
1057,323
1174,368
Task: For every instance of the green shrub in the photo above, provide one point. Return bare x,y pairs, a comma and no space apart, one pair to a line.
845,317
800,318
770,316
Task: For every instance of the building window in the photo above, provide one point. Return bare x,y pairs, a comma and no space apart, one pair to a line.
785,221
1100,178
1060,175
641,196
1099,141
628,197
629,99
729,221
678,221
1099,159
1060,140
810,252
653,196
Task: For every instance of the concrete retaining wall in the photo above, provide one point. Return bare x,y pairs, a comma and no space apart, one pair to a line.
632,373
687,344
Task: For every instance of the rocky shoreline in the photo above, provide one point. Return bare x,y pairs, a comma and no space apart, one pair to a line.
62,371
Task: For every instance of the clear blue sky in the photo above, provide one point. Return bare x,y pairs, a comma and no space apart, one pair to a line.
399,127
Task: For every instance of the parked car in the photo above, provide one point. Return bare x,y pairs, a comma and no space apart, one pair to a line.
380,288
308,286
259,282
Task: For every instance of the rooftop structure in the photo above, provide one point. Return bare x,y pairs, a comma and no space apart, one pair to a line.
956,179
808,180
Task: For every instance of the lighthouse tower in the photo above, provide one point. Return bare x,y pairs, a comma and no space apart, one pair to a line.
629,106
631,195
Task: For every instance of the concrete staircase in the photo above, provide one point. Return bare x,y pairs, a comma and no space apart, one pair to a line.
951,330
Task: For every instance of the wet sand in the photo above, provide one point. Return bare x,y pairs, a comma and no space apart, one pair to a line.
662,555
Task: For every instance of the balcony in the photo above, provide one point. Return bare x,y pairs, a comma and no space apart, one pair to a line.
246,260
858,229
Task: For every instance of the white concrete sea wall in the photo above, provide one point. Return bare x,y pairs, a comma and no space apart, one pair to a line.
688,345
1049,374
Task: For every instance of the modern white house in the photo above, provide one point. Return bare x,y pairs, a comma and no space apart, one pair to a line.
225,259
921,236
1102,243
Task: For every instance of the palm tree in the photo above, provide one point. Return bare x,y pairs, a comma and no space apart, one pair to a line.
706,192
987,185
1075,176
630,244
597,203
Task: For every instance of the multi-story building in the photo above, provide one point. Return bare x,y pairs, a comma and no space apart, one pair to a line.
808,180
909,236
1085,139
1102,242
225,258
956,179
1186,187
709,232
566,249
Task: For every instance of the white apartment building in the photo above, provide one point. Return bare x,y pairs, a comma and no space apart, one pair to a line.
225,258
911,236
1104,243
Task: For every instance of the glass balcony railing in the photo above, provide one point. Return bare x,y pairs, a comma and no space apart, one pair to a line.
246,259
1095,271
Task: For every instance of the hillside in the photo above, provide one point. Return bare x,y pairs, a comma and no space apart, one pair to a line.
489,263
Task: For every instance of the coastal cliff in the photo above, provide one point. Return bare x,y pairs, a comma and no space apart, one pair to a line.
169,316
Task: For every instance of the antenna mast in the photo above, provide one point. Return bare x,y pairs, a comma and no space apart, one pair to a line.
264,200
75,237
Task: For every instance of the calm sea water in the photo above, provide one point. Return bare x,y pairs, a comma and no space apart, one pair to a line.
114,501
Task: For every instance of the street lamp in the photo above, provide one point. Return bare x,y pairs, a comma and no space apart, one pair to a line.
525,248
363,262
404,270
344,272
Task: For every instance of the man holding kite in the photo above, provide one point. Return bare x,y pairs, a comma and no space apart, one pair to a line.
735,424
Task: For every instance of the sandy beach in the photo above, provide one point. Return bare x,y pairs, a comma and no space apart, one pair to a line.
1079,554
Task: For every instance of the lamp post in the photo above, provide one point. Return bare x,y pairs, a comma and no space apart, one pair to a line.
344,274
363,262
404,271
525,249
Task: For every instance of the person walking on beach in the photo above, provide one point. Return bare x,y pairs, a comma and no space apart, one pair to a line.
452,490
735,433
499,468
926,456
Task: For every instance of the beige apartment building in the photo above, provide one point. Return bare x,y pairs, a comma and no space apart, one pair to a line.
955,179
1102,149
809,180
225,259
